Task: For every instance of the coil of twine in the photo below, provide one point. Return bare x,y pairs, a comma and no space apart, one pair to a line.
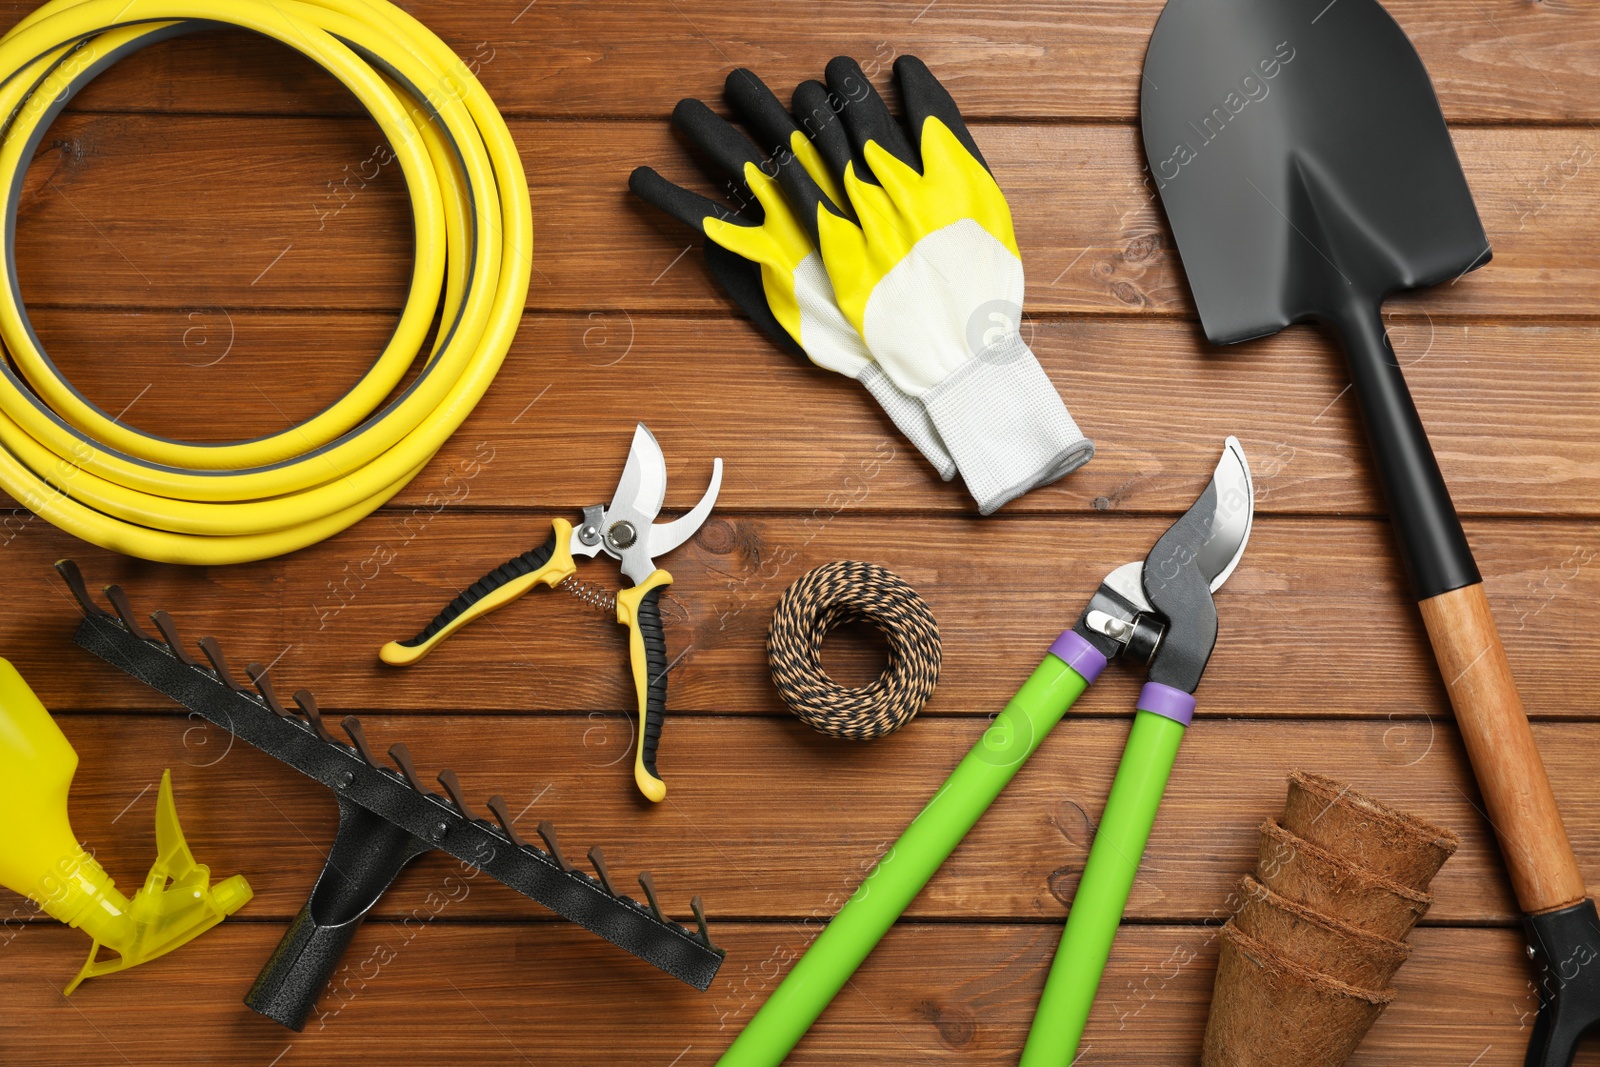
833,595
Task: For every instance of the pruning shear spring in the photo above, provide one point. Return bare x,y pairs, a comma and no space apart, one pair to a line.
625,530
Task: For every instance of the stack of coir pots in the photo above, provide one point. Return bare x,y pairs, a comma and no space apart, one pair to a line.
1320,929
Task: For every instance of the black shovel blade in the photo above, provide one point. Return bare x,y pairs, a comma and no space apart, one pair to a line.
1303,161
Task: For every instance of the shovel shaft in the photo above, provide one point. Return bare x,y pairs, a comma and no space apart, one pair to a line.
1499,741
1466,645
1432,544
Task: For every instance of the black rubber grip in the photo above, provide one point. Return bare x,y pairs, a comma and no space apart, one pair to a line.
367,853
655,658
510,570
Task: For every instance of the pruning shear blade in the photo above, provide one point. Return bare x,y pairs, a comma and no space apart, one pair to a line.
630,532
1232,516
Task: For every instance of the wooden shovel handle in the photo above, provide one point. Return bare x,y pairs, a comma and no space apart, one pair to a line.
1494,727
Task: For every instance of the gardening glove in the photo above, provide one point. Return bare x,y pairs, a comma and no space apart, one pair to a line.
924,264
766,262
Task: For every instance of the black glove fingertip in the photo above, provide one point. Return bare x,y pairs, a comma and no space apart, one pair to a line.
687,207
817,116
756,106
866,117
925,97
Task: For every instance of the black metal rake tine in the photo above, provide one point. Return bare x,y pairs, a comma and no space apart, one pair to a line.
502,815
453,790
68,570
219,664
598,858
119,600
547,830
700,919
169,634
258,674
308,706
402,758
650,895
358,736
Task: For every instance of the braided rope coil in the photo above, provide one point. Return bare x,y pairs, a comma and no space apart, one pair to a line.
833,595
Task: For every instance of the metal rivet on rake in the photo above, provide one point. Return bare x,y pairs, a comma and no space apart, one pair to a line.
598,858
80,592
169,634
452,789
402,758
700,918
547,830
258,674
650,895
308,707
502,815
119,600
352,726
219,664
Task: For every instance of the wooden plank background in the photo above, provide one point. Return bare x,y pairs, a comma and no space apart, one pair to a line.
198,246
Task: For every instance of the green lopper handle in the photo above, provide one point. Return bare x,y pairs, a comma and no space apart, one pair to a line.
1102,894
902,872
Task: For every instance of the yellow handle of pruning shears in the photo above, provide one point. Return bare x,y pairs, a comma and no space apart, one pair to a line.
549,564
639,609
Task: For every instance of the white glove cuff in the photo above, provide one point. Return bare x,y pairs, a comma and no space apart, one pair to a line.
1005,425
910,416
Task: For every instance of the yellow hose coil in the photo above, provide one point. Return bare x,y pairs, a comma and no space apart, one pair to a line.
174,501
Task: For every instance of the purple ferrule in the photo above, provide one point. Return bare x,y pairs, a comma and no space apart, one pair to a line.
1079,654
1166,701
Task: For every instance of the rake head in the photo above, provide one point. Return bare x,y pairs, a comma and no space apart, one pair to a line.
387,817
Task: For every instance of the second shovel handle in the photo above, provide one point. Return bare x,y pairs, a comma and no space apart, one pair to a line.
1494,727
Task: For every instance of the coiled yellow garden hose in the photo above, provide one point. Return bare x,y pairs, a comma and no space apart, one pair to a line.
175,501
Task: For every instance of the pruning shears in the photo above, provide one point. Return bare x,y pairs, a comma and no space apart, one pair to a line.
626,531
1158,614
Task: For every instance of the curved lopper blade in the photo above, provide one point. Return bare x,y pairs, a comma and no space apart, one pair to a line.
1192,559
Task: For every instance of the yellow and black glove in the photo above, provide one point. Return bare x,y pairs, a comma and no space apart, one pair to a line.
923,261
763,256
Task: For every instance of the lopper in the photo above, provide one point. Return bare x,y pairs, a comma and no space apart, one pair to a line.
625,530
1158,613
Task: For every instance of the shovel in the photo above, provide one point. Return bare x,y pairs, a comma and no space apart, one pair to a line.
1305,167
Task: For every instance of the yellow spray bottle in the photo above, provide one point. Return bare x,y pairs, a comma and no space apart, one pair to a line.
41,858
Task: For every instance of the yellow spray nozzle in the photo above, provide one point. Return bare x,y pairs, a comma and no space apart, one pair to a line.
41,858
